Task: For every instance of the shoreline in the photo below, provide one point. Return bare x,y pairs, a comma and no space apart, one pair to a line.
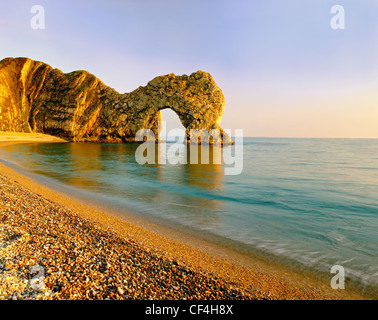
256,279
27,137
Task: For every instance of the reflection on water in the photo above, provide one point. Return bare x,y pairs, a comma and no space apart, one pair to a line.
313,201
112,169
202,176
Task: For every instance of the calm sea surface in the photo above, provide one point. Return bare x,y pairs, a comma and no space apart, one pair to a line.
309,202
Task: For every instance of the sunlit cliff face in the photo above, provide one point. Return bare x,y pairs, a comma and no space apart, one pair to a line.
79,107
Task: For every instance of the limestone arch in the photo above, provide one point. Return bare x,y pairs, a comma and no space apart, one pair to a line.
79,107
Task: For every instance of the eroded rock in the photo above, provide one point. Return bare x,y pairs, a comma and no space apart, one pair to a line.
77,106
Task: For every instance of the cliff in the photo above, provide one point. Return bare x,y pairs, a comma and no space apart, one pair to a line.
77,106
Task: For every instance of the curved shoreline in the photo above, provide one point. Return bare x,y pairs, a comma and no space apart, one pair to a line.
266,281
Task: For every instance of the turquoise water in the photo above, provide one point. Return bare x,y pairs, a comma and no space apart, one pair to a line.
311,202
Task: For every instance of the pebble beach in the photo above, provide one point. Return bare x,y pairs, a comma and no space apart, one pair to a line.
54,248
82,261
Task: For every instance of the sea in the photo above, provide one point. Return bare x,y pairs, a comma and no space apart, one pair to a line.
308,203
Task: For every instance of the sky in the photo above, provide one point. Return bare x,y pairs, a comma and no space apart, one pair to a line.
284,71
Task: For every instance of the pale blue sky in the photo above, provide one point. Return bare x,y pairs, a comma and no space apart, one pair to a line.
282,69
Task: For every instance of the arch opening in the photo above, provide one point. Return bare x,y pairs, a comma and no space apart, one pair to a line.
172,124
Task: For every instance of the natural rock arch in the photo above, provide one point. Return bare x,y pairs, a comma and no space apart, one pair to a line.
79,107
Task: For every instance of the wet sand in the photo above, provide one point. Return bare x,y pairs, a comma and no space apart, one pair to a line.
87,252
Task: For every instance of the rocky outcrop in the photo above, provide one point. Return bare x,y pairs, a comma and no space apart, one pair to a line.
77,106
